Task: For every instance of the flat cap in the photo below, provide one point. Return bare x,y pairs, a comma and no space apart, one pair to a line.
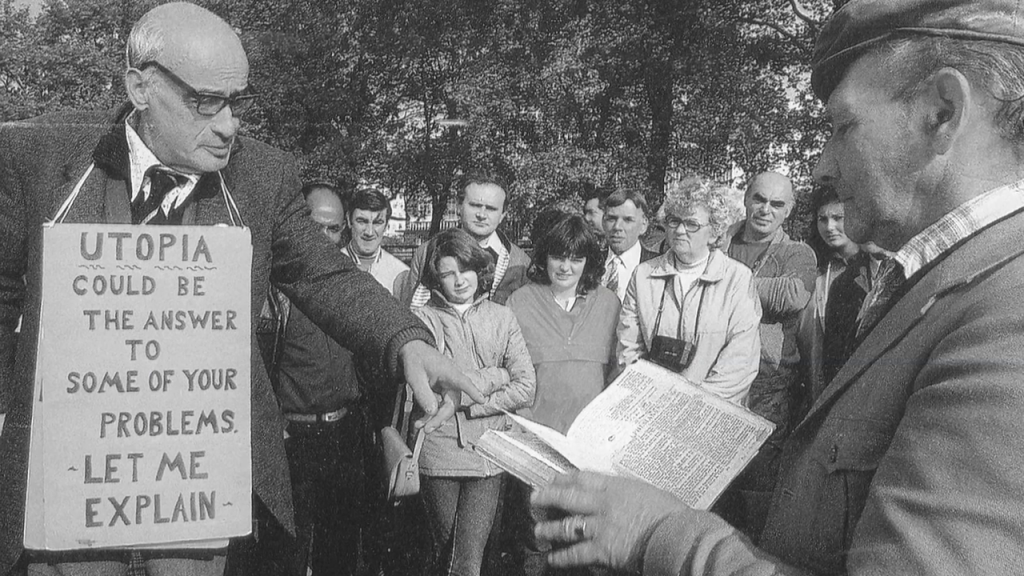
863,23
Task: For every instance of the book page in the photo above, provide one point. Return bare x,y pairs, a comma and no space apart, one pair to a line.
524,455
662,429
581,454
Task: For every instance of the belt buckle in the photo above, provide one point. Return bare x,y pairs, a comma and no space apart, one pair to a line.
334,416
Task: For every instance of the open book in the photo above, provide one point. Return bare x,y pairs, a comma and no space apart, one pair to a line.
651,424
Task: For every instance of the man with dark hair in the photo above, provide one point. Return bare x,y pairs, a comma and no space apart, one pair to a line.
909,462
368,214
482,202
593,198
624,221
172,155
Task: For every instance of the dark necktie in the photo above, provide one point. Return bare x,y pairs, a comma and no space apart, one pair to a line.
161,182
887,285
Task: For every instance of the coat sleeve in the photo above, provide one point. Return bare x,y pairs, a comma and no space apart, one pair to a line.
789,292
737,364
329,289
522,386
695,542
945,497
631,344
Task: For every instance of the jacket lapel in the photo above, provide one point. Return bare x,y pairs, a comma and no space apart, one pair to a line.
88,206
109,177
984,252
210,206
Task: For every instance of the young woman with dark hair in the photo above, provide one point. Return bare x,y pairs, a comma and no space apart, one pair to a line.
568,320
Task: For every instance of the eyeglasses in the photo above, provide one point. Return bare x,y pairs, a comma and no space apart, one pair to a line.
206,104
690,226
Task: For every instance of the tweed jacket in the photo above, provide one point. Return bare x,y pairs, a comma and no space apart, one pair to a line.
910,460
41,160
514,278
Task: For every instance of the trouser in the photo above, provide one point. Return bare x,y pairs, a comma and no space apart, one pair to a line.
325,461
461,512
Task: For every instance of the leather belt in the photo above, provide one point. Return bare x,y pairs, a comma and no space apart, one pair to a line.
317,418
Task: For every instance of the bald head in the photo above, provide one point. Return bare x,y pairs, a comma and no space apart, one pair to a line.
768,201
327,211
187,78
774,183
179,32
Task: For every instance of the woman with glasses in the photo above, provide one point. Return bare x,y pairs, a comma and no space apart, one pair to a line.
693,309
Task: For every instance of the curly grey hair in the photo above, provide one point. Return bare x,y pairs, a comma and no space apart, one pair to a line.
723,203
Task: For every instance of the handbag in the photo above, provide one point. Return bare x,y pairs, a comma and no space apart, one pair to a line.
401,465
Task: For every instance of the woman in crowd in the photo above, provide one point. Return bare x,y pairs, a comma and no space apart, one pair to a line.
693,309
461,489
835,252
568,319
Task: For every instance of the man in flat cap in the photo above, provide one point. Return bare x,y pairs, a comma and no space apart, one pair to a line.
910,460
172,155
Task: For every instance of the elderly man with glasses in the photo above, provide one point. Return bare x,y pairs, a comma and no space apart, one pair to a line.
172,155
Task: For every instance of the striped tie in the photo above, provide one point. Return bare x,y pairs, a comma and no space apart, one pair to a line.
612,279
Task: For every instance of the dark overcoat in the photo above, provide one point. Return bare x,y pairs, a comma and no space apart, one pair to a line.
40,162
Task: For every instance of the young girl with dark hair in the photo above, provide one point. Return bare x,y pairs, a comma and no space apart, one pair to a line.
461,489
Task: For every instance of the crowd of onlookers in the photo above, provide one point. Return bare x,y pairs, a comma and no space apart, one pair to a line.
893,379
726,299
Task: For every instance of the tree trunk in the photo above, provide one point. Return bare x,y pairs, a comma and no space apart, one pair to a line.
439,203
658,82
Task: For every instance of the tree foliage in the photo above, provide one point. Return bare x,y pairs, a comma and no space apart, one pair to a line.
408,94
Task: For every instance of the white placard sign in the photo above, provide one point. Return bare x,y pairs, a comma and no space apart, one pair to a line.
141,418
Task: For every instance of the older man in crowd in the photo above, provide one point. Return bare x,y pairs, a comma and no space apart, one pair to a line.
784,272
909,462
172,155
482,203
319,393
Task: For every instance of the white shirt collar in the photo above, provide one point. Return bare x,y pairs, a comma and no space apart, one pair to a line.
141,159
494,243
630,258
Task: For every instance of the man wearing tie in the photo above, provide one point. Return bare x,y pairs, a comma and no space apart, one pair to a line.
171,155
624,221
482,202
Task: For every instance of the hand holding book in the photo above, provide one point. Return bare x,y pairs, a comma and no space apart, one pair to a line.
650,424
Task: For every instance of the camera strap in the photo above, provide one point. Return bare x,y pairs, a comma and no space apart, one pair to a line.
682,308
